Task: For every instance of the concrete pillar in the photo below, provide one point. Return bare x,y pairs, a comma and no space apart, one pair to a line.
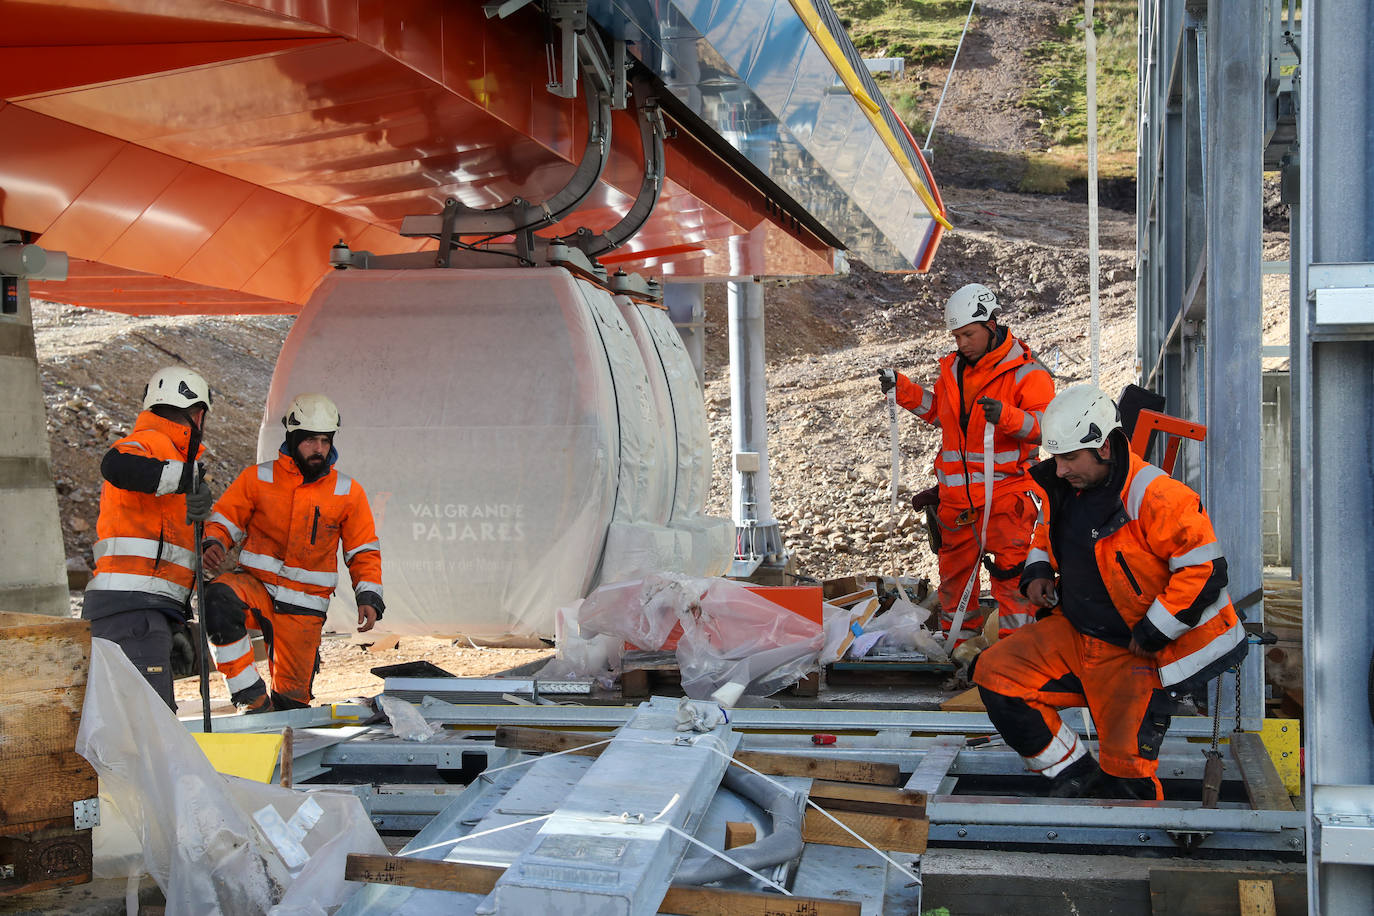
686,304
758,540
33,572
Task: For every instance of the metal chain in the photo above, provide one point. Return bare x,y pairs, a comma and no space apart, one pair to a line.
1237,697
1216,718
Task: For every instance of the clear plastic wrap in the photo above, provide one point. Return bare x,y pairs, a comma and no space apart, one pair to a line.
197,829
733,641
596,656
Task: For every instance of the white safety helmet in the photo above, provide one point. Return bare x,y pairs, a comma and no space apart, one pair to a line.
974,302
311,412
1078,417
176,386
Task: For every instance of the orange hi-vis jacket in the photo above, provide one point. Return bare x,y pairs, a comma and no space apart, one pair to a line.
1007,373
291,532
143,543
1162,565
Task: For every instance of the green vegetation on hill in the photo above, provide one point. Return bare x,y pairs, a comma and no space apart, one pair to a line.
926,33
1061,68
921,31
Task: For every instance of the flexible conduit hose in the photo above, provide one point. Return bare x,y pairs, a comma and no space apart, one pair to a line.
782,844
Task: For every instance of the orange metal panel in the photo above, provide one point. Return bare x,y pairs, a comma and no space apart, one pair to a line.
107,22
111,203
339,16
179,221
44,166
412,32
247,240
97,285
28,71
296,268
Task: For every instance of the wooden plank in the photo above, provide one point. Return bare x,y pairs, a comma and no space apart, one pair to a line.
893,802
36,722
968,701
686,901
739,833
934,765
1256,898
903,834
774,764
1262,781
37,659
43,787
1190,891
836,769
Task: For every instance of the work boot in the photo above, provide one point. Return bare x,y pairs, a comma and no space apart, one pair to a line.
252,700
1137,787
1080,780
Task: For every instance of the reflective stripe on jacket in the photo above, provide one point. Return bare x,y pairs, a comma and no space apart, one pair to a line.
291,531
143,543
1008,373
1162,564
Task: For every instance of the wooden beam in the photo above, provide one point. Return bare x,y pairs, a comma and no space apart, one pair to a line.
686,901
893,802
774,764
739,833
1262,781
903,834
1256,898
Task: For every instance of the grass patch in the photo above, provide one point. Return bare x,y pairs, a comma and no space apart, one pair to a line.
919,31
1060,96
1051,172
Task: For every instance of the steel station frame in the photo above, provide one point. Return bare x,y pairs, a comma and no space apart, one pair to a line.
1229,89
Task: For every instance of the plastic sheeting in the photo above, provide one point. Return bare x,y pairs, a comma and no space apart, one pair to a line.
507,428
213,843
734,642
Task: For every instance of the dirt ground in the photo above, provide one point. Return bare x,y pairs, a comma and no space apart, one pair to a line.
826,338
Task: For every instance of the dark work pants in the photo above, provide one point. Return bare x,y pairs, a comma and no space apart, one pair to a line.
146,637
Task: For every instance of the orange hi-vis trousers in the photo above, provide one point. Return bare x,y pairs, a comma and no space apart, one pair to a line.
237,603
1008,542
1049,666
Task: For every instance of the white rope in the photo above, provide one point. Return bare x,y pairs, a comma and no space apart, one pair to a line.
1094,317
472,836
957,48
485,774
720,855
897,865
896,454
957,625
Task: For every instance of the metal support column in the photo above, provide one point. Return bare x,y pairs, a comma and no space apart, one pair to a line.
1236,73
757,538
686,304
1336,392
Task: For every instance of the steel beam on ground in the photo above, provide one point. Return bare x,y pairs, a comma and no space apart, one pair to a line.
1336,463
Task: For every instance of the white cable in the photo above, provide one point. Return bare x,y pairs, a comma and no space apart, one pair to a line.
896,453
901,868
958,623
472,836
1094,317
524,763
957,48
720,855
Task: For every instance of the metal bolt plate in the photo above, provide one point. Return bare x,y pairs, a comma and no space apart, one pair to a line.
86,813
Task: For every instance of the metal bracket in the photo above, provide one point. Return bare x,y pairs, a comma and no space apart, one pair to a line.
1188,840
86,813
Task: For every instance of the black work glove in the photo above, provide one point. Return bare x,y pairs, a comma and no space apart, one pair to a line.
887,378
183,652
375,600
199,503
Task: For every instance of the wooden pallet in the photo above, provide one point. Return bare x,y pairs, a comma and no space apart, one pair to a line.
41,775
665,680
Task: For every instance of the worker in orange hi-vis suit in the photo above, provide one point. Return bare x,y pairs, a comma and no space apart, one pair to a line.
987,400
1130,581
290,516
